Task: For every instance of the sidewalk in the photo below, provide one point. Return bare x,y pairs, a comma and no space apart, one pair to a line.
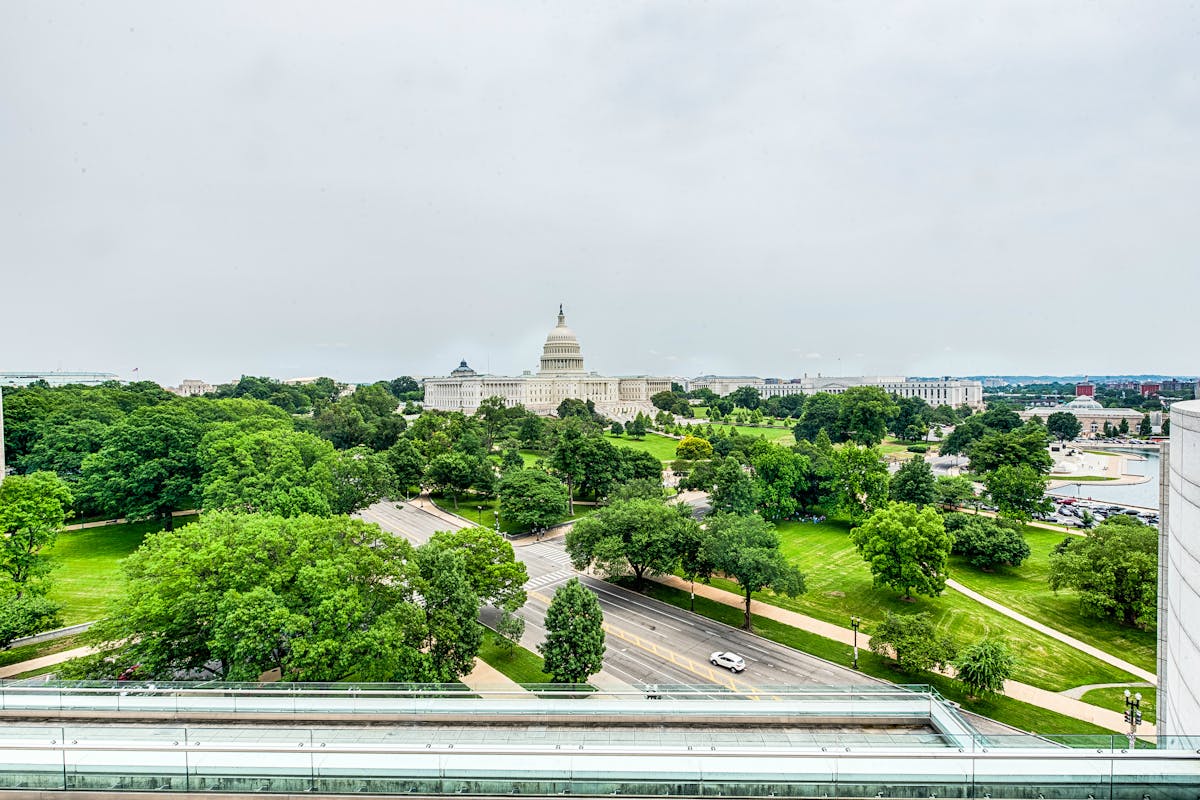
486,678
1084,647
1043,698
44,661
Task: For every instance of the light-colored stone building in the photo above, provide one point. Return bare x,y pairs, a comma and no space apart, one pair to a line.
948,391
561,376
1092,416
1179,577
191,387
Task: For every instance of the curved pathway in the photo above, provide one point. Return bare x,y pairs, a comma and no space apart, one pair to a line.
1071,641
1078,692
1053,701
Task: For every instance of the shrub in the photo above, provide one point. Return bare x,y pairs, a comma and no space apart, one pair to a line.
917,448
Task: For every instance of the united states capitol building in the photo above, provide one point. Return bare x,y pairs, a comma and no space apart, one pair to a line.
560,376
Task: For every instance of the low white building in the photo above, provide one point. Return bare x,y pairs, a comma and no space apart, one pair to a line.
190,387
561,376
945,392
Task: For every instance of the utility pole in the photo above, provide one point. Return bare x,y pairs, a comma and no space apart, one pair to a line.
1133,714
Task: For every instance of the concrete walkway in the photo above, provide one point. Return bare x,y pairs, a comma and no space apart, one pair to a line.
484,678
45,661
1077,692
1043,698
1071,641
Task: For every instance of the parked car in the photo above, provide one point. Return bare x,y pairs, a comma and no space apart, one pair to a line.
730,661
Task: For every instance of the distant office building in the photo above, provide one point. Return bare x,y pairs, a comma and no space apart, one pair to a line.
944,392
560,377
57,378
190,388
1150,389
994,383
1179,576
1085,389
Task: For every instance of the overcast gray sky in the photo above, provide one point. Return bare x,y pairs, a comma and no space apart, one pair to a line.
364,190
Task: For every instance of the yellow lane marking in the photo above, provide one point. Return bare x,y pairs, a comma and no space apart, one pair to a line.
705,671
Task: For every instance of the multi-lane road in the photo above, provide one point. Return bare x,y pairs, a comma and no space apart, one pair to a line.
648,641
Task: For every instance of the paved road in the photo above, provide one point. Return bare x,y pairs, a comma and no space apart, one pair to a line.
648,641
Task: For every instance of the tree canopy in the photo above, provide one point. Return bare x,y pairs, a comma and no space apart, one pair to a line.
573,649
1114,567
532,498
913,642
746,549
321,599
913,483
639,537
906,548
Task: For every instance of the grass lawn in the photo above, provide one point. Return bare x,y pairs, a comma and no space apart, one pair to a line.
661,447
1025,589
87,573
1013,712
521,665
840,586
468,508
1114,699
31,651
1079,478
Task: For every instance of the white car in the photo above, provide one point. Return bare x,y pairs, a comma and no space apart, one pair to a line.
731,661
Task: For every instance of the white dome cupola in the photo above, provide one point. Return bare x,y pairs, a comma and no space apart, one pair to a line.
561,353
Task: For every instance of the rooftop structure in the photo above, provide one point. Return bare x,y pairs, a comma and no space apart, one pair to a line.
57,378
678,741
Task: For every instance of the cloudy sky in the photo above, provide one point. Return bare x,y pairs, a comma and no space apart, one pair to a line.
364,190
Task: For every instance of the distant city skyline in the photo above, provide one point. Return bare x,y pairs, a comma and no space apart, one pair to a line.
367,188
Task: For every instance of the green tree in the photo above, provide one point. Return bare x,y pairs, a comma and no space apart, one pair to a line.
1025,445
568,460
987,544
736,490
954,491
693,448
601,466
1064,426
1114,567
33,509
906,548
509,629
148,466
574,647
530,498
638,465
272,471
452,472
859,479
985,666
360,477
1019,492
407,463
913,483
1144,427
639,537
636,427
320,599
617,429
822,411
746,549
913,642
783,482
25,614
492,569
1123,428
511,460
912,413
746,397
866,413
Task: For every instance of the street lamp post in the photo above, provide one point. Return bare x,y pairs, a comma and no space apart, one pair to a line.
480,510
854,621
496,519
1133,714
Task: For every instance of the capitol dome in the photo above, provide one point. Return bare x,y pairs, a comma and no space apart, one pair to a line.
561,353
